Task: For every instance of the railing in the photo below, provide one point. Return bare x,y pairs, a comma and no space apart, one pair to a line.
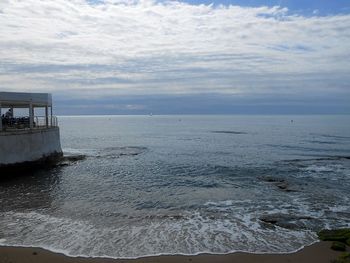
24,122
40,121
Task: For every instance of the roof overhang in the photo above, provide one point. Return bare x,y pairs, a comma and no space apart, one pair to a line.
23,100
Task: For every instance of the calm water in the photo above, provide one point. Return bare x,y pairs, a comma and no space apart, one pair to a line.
184,184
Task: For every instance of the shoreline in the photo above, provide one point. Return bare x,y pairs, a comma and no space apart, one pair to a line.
317,252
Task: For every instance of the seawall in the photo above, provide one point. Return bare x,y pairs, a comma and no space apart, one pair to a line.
25,146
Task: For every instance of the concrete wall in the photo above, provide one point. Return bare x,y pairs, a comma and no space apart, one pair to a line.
27,146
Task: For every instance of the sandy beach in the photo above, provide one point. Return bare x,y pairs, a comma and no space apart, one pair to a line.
319,252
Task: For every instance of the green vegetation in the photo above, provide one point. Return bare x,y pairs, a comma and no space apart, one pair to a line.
341,235
339,246
340,238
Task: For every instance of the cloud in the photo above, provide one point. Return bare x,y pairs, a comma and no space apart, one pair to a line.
128,47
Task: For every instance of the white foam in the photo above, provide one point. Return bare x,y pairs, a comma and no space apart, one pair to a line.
74,151
321,169
190,235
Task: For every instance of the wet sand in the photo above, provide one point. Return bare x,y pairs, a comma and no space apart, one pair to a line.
319,252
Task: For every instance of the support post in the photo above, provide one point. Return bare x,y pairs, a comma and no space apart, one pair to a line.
31,115
51,116
1,119
47,116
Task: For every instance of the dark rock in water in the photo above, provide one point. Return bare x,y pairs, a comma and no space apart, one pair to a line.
229,132
287,221
338,246
117,152
62,164
341,235
270,179
68,160
269,220
285,187
279,182
74,158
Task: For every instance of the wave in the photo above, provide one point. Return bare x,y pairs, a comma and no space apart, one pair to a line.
321,158
321,142
189,234
108,152
217,227
330,136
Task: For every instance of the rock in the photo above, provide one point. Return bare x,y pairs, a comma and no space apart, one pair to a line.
284,186
348,241
229,132
338,246
75,158
270,179
269,220
68,160
341,235
62,164
279,182
287,221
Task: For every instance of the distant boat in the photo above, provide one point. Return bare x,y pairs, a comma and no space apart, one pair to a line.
30,139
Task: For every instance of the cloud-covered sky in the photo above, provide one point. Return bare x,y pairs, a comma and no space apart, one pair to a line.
139,56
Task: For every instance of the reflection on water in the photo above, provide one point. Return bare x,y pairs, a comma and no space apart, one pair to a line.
30,190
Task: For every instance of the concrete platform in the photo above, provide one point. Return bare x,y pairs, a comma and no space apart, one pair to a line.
18,147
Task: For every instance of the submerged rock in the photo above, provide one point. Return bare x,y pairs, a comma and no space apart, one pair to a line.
74,158
229,132
279,183
68,160
270,179
285,187
117,152
288,221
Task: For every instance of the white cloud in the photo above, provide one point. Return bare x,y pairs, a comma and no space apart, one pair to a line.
145,47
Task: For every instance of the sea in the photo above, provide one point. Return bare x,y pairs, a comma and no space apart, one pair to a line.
136,186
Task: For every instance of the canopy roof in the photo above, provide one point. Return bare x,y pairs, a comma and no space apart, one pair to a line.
22,100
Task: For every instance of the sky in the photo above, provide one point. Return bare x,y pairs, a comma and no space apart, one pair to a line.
179,57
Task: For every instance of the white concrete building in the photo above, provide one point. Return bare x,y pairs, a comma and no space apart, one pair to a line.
27,138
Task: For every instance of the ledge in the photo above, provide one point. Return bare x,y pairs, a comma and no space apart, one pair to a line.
27,131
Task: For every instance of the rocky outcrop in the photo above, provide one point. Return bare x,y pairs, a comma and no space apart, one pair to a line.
342,235
288,221
280,183
340,238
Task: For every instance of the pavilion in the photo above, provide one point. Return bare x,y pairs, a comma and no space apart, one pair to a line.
28,101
